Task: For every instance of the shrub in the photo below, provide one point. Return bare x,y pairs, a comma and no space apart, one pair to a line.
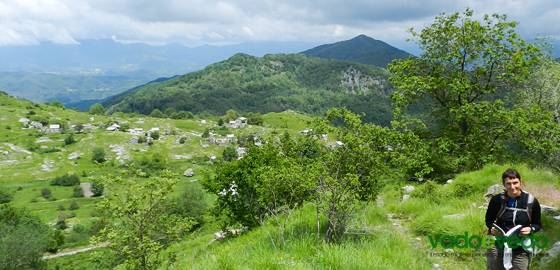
230,154
98,225
46,193
61,207
78,192
69,139
182,140
5,196
98,155
157,114
154,135
66,180
74,205
190,203
142,139
96,189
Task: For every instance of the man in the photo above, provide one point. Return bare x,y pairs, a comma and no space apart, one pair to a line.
511,208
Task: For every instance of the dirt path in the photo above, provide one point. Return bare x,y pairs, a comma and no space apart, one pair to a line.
74,251
87,189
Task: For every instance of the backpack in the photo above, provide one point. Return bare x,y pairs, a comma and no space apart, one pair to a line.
528,207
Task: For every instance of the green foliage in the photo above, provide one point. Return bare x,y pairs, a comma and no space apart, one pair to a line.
5,196
46,193
154,135
169,111
190,204
124,127
78,192
155,162
66,180
98,155
182,115
23,239
97,109
74,205
142,139
231,115
157,114
57,104
146,229
230,153
255,119
220,122
96,188
464,66
182,140
69,139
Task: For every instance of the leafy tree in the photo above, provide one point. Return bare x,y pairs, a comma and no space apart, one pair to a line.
190,115
23,239
169,111
98,155
190,204
220,122
147,228
157,114
231,115
350,174
230,153
255,119
464,66
206,133
96,188
96,109
58,104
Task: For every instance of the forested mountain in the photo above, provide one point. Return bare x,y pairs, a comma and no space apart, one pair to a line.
272,83
64,88
361,49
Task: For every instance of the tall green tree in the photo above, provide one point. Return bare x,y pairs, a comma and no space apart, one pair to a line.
96,109
147,227
464,67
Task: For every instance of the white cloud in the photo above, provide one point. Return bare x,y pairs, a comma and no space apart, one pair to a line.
197,22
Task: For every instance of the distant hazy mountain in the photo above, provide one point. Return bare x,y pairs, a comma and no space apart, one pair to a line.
361,49
64,88
273,83
138,60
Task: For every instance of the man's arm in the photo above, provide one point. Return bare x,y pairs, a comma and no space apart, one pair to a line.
536,216
492,211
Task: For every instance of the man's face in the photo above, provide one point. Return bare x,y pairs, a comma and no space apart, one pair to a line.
513,186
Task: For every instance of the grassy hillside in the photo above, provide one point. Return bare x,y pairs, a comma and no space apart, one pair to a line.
388,233
273,83
361,49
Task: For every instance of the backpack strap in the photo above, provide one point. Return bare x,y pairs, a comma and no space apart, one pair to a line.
503,205
529,206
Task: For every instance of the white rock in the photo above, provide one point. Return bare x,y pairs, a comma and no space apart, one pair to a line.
557,217
547,210
188,173
405,198
454,216
449,250
408,188
449,181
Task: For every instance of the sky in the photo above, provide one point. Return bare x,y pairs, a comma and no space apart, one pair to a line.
225,22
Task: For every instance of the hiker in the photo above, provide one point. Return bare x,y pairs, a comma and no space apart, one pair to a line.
506,210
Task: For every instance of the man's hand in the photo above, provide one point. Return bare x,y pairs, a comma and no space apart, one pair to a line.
525,231
495,232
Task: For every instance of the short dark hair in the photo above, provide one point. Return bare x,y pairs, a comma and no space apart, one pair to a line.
510,174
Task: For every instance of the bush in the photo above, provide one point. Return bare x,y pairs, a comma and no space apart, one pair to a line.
69,139
190,203
46,193
74,205
66,180
230,154
78,192
142,139
182,140
5,196
98,225
96,189
154,135
61,207
157,114
98,155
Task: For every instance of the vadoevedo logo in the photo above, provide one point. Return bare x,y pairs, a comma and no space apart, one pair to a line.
487,241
